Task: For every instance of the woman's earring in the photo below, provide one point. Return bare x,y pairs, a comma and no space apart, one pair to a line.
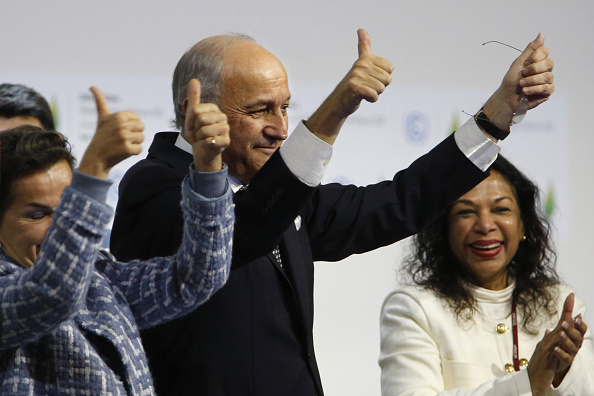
524,238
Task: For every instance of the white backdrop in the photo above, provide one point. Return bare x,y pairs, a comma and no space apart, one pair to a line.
129,49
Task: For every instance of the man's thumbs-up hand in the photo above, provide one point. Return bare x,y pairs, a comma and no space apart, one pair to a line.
367,79
206,129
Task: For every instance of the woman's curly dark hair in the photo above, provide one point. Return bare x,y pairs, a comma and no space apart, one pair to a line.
26,150
432,263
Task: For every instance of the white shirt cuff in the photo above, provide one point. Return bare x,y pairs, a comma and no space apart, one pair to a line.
475,145
306,155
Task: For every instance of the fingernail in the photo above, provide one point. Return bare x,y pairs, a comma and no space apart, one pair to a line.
526,90
565,325
578,320
563,335
557,350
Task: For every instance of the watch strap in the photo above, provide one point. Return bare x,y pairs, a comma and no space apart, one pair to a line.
487,126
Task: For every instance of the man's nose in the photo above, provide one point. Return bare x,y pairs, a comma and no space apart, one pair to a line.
277,126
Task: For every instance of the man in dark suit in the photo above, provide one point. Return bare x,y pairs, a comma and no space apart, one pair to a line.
255,336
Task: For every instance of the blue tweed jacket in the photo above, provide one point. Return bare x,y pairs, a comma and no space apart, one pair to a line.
70,323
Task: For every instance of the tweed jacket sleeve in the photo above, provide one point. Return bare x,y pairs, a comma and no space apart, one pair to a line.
164,288
35,301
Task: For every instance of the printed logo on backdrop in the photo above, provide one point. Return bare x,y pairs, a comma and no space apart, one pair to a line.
416,127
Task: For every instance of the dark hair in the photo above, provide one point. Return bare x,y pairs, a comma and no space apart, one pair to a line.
26,150
203,61
432,263
19,100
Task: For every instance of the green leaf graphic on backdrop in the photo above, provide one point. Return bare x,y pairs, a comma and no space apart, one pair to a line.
54,109
455,124
549,203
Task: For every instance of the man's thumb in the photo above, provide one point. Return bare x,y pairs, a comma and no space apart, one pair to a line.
532,46
194,92
364,45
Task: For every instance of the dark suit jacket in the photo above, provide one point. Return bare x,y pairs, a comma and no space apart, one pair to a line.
254,337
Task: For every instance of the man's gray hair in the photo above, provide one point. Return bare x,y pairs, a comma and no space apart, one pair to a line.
203,61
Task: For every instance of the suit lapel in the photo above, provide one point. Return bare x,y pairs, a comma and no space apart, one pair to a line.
292,255
274,262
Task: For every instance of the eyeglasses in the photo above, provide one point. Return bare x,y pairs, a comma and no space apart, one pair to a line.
499,42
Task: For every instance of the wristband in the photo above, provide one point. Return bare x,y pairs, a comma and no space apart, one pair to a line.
487,126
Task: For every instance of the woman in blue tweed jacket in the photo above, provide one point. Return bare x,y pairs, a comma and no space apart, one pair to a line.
70,313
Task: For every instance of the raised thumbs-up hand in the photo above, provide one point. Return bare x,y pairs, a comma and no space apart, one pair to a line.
571,337
206,129
117,137
527,84
368,78
555,353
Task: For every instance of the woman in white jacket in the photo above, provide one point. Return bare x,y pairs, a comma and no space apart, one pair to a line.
484,292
